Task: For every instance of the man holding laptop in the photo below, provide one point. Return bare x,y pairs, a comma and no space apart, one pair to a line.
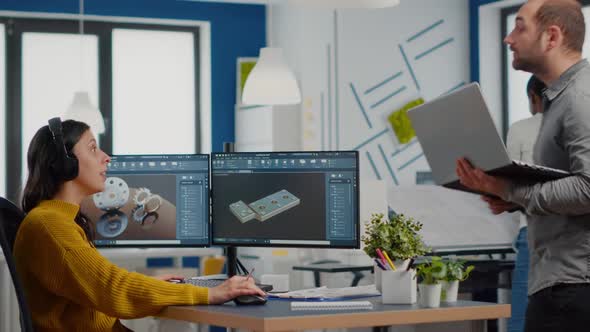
547,42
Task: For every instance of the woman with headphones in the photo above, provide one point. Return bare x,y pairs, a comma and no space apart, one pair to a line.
69,285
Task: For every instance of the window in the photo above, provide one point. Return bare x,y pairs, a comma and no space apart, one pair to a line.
516,104
45,57
144,78
153,92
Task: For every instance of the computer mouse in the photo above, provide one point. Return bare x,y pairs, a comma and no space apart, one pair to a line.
250,299
176,281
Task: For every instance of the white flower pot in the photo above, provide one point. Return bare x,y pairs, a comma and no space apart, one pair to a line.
398,287
429,296
449,291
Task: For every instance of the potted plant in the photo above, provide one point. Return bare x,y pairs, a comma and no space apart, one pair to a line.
430,273
397,236
456,271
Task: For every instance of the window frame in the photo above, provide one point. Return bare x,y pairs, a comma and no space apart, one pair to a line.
16,26
504,13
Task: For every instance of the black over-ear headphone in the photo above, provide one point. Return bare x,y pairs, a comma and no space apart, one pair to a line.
65,166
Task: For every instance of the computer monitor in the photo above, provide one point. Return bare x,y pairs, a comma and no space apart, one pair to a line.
152,201
285,199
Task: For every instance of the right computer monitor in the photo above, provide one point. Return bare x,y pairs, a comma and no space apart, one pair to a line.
288,199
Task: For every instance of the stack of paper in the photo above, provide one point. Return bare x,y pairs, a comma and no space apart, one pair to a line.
330,293
334,305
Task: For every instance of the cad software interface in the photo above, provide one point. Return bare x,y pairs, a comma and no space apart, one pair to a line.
285,199
152,200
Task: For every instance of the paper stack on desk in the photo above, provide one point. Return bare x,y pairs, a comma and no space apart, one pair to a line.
333,305
325,293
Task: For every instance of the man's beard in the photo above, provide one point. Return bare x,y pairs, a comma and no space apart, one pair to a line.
529,65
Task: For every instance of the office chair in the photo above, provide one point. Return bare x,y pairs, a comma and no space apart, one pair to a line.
10,219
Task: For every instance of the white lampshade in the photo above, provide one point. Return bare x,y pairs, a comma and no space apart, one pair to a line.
82,110
347,3
271,81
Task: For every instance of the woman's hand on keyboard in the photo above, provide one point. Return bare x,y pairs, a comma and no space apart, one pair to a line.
235,286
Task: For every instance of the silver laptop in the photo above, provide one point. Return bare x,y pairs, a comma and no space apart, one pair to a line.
458,125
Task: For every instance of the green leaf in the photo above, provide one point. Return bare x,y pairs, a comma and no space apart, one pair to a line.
398,236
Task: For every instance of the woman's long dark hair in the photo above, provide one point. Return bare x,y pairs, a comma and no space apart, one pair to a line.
42,184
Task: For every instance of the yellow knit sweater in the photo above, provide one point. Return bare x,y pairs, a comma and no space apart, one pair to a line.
70,286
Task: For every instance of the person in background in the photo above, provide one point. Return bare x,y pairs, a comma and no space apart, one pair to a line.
547,41
520,142
69,285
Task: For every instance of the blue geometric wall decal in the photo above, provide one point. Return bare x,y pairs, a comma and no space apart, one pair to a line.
373,165
372,138
437,23
380,84
388,165
434,48
401,49
411,161
388,97
358,100
404,148
455,87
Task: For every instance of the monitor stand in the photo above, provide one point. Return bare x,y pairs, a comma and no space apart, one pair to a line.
231,252
231,255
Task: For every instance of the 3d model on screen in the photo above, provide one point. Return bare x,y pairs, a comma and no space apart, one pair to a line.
242,211
146,206
115,195
112,223
264,208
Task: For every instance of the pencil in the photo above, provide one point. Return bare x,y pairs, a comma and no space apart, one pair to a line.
388,260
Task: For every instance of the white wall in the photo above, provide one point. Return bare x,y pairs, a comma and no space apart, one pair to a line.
337,53
332,50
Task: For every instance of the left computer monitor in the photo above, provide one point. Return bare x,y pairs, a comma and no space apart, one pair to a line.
152,201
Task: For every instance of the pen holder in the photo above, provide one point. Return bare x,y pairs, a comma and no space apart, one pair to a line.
398,287
377,272
399,264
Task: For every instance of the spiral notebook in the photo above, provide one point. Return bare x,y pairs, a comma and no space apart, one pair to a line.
334,305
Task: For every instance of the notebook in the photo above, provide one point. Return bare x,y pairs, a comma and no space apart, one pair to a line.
334,305
328,294
458,125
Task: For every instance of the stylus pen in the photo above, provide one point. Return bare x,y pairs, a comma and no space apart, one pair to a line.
241,266
249,274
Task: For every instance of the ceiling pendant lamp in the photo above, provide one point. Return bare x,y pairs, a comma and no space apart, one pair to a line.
271,81
81,108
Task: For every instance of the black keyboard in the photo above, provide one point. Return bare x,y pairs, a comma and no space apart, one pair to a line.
209,283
